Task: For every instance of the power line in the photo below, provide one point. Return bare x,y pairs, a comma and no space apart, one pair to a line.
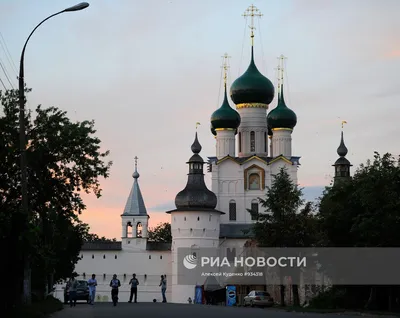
8,55
244,36
2,83
262,49
5,73
287,85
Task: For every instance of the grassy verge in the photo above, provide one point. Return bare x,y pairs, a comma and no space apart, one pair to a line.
41,309
326,311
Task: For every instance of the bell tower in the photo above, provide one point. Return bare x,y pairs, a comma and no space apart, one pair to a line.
135,218
342,165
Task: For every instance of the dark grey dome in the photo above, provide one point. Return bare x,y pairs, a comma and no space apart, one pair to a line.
342,150
195,195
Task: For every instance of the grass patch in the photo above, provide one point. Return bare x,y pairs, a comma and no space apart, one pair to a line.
40,309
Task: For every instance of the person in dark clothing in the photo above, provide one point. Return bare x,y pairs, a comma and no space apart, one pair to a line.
134,284
115,284
163,285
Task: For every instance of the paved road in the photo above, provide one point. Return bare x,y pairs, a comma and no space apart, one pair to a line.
149,310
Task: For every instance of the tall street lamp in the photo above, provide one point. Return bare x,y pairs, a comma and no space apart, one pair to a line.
23,145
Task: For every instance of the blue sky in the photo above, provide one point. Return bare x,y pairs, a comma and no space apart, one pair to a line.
147,71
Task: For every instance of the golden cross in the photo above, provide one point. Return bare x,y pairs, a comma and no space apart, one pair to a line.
225,66
343,122
252,12
281,65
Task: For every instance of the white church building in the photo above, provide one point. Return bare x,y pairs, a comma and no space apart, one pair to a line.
252,144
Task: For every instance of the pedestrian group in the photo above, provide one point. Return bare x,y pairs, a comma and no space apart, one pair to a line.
115,284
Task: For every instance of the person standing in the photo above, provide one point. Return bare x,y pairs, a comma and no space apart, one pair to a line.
73,284
115,284
163,284
92,289
134,282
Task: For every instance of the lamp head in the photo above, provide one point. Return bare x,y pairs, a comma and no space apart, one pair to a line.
77,7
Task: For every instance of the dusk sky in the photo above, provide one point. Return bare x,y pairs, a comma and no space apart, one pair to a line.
147,71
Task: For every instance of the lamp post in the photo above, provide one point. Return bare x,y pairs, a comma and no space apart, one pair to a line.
23,146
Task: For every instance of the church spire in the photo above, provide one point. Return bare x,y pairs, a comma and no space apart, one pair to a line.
342,165
195,195
252,12
252,89
135,203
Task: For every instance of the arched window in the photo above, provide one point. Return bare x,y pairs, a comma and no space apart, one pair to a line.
252,141
240,142
254,181
139,229
232,210
254,208
128,229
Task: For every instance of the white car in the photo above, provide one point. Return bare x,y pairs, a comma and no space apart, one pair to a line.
258,298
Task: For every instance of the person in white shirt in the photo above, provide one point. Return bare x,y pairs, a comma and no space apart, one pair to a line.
115,284
92,289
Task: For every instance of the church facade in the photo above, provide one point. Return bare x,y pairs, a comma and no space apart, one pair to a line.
253,142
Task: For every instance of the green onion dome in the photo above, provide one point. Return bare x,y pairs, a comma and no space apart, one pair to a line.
225,117
252,86
270,133
213,130
281,116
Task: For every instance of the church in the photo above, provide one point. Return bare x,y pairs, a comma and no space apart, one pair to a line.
253,142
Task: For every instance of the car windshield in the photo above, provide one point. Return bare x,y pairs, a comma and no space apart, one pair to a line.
82,283
259,293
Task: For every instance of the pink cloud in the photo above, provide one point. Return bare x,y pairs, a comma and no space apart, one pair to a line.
393,54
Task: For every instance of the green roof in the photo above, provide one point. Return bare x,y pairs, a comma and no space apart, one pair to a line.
225,116
252,86
281,116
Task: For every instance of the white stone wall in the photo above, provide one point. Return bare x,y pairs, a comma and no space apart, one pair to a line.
253,119
191,230
228,184
282,143
225,143
124,263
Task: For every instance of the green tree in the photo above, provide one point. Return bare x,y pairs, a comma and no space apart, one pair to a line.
283,224
364,212
64,159
93,238
161,233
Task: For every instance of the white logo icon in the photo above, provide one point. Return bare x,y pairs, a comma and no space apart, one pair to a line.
190,261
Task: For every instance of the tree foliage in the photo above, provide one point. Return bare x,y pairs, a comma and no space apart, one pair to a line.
288,221
161,233
364,212
93,238
64,159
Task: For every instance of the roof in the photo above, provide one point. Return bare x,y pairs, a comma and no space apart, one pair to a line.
232,231
117,246
242,160
158,246
195,210
211,284
135,203
102,246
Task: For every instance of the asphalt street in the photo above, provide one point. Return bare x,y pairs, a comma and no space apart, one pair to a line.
149,310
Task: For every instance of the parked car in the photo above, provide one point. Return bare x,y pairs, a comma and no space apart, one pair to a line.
82,291
258,298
